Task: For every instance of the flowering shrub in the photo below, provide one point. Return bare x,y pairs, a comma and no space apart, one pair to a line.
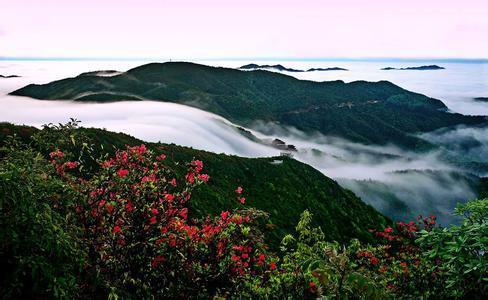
142,240
400,261
123,227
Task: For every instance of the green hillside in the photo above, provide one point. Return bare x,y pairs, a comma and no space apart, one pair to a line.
284,190
367,112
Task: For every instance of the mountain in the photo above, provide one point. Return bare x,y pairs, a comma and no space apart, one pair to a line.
269,67
9,76
282,68
327,69
366,112
481,99
421,68
281,186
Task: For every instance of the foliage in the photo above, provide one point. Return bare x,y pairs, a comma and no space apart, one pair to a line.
329,268
41,255
462,249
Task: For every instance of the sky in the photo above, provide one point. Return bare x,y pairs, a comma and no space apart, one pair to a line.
220,29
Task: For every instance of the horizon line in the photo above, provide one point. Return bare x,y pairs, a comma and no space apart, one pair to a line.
379,59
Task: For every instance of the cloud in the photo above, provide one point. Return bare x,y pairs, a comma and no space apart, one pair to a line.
399,183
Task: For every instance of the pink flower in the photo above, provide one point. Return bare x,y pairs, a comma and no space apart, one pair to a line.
242,200
122,172
239,190
153,220
169,197
173,182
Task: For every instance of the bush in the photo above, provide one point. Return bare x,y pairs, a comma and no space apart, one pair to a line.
462,251
39,245
143,243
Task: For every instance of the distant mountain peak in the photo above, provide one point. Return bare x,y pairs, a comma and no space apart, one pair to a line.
420,68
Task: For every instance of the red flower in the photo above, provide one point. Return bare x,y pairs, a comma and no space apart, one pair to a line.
312,284
116,229
184,213
272,265
203,177
242,200
245,255
239,190
224,215
388,229
122,172
71,164
157,260
198,165
142,149
403,264
153,220
109,207
154,211
173,182
374,261
237,219
190,177
129,207
56,153
169,197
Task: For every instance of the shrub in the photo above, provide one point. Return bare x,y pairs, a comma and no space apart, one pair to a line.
462,251
41,255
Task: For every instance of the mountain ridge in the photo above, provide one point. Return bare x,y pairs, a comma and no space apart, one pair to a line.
367,112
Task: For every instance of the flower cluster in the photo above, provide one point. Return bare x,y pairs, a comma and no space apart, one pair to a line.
138,222
57,159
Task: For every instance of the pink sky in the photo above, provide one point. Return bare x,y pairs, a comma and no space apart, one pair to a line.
187,29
